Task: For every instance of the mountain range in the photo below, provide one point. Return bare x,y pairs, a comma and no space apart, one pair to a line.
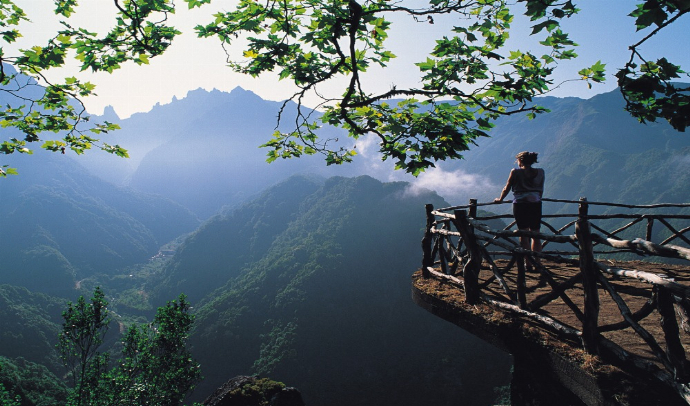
589,148
62,224
296,270
203,151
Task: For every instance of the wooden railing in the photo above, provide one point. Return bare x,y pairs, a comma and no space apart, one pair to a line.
458,246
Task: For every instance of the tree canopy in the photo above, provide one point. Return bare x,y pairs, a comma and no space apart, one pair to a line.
154,366
469,79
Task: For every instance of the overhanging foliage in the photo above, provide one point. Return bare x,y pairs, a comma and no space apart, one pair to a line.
469,79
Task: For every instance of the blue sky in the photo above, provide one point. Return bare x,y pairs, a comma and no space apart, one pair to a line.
602,29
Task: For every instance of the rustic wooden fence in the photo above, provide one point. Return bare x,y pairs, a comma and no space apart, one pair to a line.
459,246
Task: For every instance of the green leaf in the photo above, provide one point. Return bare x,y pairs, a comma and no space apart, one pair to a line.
550,25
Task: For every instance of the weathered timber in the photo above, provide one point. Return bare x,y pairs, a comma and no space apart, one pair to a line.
521,286
648,277
673,230
443,231
668,251
523,233
456,281
650,227
629,206
434,251
473,208
590,334
635,216
650,368
440,213
427,258
548,322
451,255
601,230
442,256
674,347
592,203
625,227
557,232
561,293
597,216
471,269
683,311
496,274
605,386
643,312
627,315
671,238
558,290
448,255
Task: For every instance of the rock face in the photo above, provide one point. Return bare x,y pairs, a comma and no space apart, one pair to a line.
254,391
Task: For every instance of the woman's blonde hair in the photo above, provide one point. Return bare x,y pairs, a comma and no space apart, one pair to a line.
527,158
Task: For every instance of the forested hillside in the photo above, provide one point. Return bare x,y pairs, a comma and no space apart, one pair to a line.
318,296
61,225
30,324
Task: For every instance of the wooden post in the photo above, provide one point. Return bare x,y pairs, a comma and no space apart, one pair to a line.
590,329
650,224
683,311
472,214
674,347
473,208
471,269
427,258
442,255
521,284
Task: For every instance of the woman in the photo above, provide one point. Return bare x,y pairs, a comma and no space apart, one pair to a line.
527,184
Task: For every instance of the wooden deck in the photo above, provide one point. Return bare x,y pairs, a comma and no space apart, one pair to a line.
635,293
502,327
585,302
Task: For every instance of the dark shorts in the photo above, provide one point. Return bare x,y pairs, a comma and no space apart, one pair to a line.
527,215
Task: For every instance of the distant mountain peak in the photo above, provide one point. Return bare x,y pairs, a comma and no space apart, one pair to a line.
239,90
109,114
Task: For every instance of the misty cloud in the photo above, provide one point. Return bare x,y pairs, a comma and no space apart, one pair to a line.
454,186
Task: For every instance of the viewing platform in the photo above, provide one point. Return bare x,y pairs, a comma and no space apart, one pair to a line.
592,324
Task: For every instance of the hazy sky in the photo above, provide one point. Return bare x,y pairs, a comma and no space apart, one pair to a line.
603,30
